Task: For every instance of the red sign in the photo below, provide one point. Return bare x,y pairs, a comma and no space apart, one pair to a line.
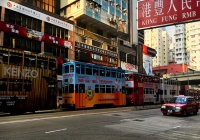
32,34
154,13
149,51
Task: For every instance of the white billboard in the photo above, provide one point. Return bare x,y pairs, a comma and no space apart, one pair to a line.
147,64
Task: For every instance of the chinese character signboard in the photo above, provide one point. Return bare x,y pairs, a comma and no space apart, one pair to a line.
154,13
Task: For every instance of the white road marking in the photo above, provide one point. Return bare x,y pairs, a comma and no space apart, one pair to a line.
56,130
47,118
176,126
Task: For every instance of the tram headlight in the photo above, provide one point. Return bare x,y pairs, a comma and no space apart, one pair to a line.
163,107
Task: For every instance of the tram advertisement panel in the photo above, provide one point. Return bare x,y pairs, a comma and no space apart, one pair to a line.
97,89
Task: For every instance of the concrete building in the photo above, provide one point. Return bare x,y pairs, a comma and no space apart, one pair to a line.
193,44
101,30
160,41
180,49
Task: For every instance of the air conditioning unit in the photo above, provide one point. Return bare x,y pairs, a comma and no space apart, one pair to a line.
124,10
110,19
116,4
115,19
120,19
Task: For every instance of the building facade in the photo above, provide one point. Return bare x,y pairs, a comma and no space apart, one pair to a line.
180,49
193,44
98,26
160,41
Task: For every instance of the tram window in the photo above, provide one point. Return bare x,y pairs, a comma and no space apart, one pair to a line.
3,84
113,89
3,57
96,88
52,64
161,92
102,88
76,88
102,72
88,70
123,75
15,59
118,74
29,60
108,89
10,84
136,90
129,91
78,68
113,73
71,68
71,88
42,62
66,88
82,88
123,90
67,69
107,73
16,86
27,85
82,69
95,71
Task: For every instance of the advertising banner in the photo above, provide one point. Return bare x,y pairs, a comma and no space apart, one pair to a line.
129,67
35,14
147,64
32,34
155,13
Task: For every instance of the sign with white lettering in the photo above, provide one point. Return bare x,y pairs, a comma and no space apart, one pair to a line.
95,49
20,72
129,67
154,13
35,14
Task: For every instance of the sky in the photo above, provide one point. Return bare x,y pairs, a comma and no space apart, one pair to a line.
169,30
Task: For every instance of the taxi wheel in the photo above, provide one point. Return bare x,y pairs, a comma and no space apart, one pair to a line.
184,113
195,112
164,114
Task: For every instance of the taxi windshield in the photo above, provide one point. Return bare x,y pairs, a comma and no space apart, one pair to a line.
178,100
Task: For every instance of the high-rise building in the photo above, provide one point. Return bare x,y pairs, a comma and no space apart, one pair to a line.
160,41
193,44
180,49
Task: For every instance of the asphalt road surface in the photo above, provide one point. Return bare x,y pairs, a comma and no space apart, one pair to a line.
100,124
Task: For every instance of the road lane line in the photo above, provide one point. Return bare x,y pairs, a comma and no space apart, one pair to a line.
65,116
176,126
55,131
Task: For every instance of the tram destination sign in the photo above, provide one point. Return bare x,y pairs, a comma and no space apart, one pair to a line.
95,49
155,13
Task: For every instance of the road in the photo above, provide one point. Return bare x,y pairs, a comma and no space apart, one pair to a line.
100,124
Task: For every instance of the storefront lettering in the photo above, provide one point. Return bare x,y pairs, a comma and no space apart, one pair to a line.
94,49
18,72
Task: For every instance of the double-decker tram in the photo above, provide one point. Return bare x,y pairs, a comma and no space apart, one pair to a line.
88,85
27,81
169,87
141,89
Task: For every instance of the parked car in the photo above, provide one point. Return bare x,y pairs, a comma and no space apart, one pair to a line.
182,105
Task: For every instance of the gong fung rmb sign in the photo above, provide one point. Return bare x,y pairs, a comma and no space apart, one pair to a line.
154,13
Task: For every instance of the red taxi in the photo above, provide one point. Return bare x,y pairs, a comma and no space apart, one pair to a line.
183,105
